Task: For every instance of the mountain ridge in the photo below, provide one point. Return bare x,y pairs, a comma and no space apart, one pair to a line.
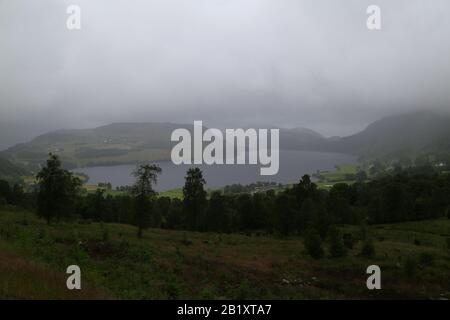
130,142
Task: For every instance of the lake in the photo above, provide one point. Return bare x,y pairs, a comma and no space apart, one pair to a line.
293,164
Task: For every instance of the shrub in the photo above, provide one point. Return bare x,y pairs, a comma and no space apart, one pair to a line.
185,241
105,235
41,234
410,267
337,248
426,259
363,232
173,288
349,241
313,245
368,249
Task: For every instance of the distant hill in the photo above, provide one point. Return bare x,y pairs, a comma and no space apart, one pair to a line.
124,143
117,143
301,139
403,134
14,133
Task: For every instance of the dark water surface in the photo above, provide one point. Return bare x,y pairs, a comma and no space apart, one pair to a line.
293,164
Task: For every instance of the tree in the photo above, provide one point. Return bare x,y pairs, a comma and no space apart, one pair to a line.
337,248
58,190
361,176
286,214
217,217
194,197
313,244
249,219
16,195
95,206
305,189
146,176
5,191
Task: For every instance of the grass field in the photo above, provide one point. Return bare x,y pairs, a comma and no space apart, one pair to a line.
175,264
175,193
341,174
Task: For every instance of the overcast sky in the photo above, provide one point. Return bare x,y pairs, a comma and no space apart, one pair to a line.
229,63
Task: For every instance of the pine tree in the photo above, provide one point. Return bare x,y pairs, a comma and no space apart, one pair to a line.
144,195
194,198
58,189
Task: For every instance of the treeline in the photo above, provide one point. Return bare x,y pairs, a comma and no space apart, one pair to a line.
11,194
406,196
249,188
411,194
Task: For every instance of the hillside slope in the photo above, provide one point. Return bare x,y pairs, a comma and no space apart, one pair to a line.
403,134
11,171
24,279
123,143
167,264
117,143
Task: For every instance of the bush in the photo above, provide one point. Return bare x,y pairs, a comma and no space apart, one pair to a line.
426,259
363,232
337,248
410,267
173,288
368,249
349,241
313,245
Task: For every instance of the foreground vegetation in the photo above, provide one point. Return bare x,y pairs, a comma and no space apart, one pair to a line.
248,242
167,264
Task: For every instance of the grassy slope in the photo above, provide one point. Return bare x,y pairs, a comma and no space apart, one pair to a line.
22,279
176,264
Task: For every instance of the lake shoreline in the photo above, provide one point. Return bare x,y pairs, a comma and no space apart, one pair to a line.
293,164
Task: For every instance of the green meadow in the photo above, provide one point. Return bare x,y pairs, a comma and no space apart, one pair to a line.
414,259
341,174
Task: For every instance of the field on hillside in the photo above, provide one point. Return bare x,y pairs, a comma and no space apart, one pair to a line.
173,194
88,154
413,257
341,174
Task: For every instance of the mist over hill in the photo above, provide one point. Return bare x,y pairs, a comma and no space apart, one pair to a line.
401,135
13,133
404,134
